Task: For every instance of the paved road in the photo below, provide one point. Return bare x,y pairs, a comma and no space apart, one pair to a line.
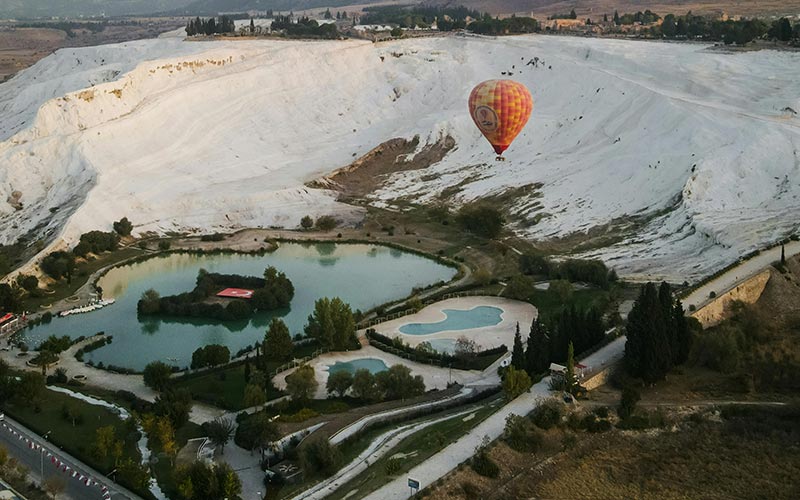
17,440
735,275
449,458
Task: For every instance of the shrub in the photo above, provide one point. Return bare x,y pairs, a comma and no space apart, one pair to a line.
548,414
164,245
123,227
520,437
321,456
393,466
482,464
627,404
470,490
326,223
307,222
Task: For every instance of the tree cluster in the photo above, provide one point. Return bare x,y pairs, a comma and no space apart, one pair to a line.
10,298
446,18
304,28
210,26
332,324
508,26
256,431
210,355
394,383
58,265
740,31
585,270
200,481
273,292
659,336
96,242
157,374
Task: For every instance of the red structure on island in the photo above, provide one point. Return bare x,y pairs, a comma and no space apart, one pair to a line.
236,293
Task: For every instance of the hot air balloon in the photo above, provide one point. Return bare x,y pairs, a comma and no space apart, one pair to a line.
500,109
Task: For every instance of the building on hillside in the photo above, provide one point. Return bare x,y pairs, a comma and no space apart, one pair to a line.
10,323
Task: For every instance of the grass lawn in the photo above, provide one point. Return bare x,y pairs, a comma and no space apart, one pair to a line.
418,447
78,439
225,387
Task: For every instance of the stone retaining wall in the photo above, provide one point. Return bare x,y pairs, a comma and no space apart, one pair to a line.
718,309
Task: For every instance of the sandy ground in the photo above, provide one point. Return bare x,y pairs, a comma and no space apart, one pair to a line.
514,312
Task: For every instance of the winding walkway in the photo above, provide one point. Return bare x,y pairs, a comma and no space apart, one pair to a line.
448,459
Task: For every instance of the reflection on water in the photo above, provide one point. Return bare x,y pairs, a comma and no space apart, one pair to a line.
362,275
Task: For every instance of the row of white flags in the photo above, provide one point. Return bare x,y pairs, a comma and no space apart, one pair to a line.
88,481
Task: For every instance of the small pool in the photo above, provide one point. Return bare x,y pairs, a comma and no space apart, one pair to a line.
374,365
477,317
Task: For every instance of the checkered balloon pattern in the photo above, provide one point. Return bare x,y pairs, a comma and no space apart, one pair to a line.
500,109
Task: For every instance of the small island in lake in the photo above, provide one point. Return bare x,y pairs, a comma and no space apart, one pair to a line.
222,296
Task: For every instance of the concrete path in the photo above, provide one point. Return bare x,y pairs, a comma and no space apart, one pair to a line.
449,458
380,447
732,277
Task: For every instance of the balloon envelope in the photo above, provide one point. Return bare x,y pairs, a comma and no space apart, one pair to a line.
500,109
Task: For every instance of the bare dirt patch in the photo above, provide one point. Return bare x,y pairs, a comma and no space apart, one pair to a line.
369,172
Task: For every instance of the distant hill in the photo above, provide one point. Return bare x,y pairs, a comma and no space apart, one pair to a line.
207,7
76,8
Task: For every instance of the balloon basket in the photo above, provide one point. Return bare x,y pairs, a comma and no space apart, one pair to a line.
499,158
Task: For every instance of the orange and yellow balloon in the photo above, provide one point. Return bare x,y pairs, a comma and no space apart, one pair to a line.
500,109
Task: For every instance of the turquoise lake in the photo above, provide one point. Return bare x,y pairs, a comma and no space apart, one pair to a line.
362,275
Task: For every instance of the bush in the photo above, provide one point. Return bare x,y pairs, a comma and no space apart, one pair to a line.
123,227
548,414
212,237
164,245
520,436
394,466
307,222
483,465
301,416
627,404
320,456
326,223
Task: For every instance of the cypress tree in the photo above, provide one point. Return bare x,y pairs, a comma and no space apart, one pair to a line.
668,324
537,354
247,369
682,333
518,353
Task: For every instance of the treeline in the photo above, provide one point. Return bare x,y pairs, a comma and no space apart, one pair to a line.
68,27
585,270
274,291
465,358
508,26
740,31
304,28
646,17
551,341
446,18
210,26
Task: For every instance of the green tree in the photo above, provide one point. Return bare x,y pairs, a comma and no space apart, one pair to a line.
210,355
58,265
123,227
398,383
519,288
561,289
339,382
332,324
278,345
28,282
627,403
570,380
257,431
10,299
307,222
537,354
616,18
174,404
363,386
518,352
254,395
156,375
220,431
482,220
321,456
326,223
302,383
781,30
515,382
